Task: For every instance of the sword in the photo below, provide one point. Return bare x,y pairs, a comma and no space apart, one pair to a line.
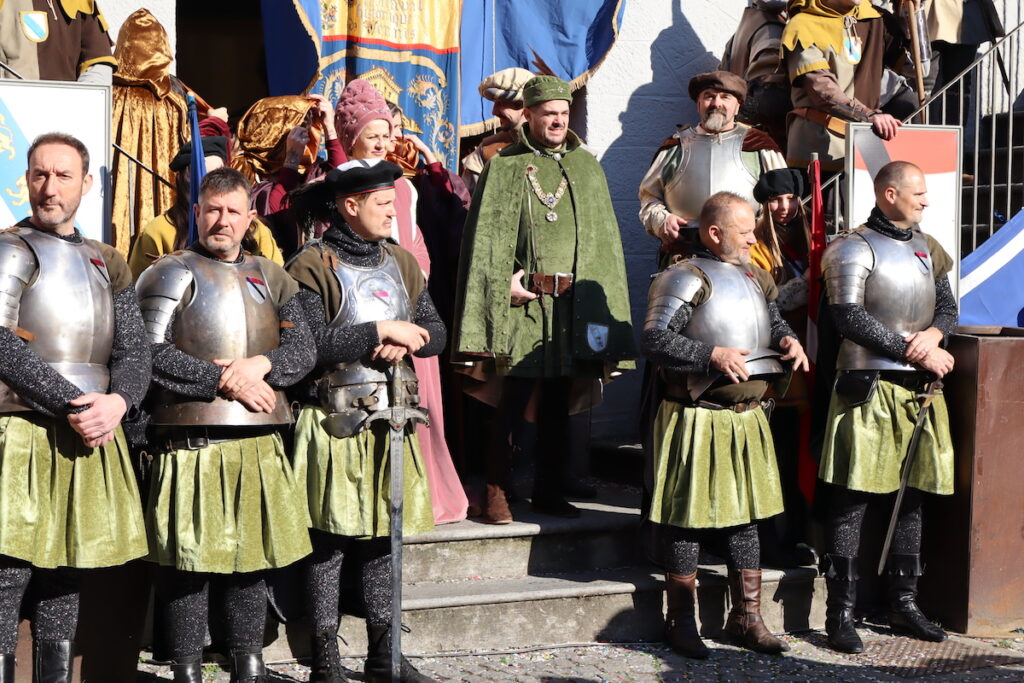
398,416
931,391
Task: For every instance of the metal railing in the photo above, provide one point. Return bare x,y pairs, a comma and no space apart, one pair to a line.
980,98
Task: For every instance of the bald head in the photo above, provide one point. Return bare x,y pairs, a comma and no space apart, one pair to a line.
901,193
727,227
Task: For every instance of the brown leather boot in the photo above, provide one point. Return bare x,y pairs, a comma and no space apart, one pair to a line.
496,506
680,621
744,623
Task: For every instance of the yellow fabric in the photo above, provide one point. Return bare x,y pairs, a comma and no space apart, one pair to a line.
157,239
230,507
262,131
811,23
149,123
63,504
73,7
761,257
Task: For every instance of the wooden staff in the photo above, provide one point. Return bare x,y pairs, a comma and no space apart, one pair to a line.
915,45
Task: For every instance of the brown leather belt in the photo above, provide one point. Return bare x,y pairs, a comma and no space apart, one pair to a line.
554,285
836,125
681,396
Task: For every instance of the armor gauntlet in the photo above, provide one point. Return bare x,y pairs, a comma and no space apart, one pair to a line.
846,265
160,289
17,266
669,291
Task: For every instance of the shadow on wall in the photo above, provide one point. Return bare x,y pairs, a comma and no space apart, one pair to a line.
648,118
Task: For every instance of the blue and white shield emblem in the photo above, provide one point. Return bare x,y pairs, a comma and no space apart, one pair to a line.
35,26
597,337
852,49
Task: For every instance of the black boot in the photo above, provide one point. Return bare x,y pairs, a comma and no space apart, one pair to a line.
840,599
187,669
378,659
51,661
6,668
326,667
680,618
247,666
905,617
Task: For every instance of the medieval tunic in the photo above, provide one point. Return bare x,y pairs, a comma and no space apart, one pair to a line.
713,468
63,504
347,479
53,40
235,505
573,335
865,445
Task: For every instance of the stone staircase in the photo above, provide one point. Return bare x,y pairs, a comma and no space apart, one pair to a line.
548,581
997,191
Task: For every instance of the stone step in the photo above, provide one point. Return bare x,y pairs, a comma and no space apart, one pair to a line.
604,536
624,605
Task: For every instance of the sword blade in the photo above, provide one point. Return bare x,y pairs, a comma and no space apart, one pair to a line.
396,458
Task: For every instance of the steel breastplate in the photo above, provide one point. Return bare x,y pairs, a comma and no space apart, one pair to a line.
899,293
350,392
708,164
231,315
735,315
69,308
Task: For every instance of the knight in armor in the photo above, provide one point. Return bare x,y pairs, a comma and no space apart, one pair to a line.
542,303
893,305
227,334
717,337
369,310
695,162
753,53
505,89
73,363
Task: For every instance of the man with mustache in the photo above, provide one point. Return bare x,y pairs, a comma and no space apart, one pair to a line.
505,89
697,161
542,292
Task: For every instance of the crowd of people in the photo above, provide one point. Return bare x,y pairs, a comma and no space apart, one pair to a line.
337,259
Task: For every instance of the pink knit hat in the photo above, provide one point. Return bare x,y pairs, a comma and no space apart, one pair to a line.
358,104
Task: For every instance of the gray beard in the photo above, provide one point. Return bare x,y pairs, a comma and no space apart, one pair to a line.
716,122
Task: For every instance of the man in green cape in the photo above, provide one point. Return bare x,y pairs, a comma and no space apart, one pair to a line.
542,292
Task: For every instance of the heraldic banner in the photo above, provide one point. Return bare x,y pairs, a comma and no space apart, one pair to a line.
408,50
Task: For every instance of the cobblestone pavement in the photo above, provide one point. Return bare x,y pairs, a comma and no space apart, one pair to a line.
808,660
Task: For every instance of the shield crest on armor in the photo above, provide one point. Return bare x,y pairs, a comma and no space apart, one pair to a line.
257,289
34,26
597,336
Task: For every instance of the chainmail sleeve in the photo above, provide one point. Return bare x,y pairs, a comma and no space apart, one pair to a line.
130,360
668,347
860,327
780,328
335,344
185,375
32,379
296,355
946,315
426,317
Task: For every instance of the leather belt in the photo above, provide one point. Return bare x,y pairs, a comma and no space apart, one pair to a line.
836,125
555,285
742,407
198,438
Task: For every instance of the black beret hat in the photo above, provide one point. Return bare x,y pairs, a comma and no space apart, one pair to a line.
213,146
719,80
362,176
780,181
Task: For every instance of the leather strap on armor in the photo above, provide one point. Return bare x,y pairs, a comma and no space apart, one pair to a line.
553,285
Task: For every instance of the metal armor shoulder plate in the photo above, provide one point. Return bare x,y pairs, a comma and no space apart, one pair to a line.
669,291
17,266
846,264
160,289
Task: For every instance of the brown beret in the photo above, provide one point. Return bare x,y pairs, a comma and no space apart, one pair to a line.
719,80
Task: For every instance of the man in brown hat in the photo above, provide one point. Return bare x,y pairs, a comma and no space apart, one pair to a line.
696,161
505,89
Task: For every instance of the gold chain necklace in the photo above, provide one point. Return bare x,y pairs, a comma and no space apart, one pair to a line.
550,200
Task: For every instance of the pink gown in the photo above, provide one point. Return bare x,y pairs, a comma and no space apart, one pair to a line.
446,493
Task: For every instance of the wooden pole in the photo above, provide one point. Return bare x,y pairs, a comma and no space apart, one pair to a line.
915,44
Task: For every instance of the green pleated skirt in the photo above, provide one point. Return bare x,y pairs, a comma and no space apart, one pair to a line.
713,468
235,506
63,504
348,480
865,446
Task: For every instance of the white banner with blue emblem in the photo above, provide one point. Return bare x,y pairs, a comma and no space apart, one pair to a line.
31,108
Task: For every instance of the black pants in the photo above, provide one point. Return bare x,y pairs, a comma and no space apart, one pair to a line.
54,599
682,547
323,578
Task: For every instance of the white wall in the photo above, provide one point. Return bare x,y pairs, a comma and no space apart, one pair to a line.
633,103
116,11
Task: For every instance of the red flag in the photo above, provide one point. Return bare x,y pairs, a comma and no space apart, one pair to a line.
807,471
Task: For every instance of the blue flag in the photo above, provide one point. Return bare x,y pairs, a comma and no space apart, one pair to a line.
197,168
992,279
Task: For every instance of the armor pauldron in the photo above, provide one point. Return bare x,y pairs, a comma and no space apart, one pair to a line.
351,392
161,287
846,265
669,291
17,266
